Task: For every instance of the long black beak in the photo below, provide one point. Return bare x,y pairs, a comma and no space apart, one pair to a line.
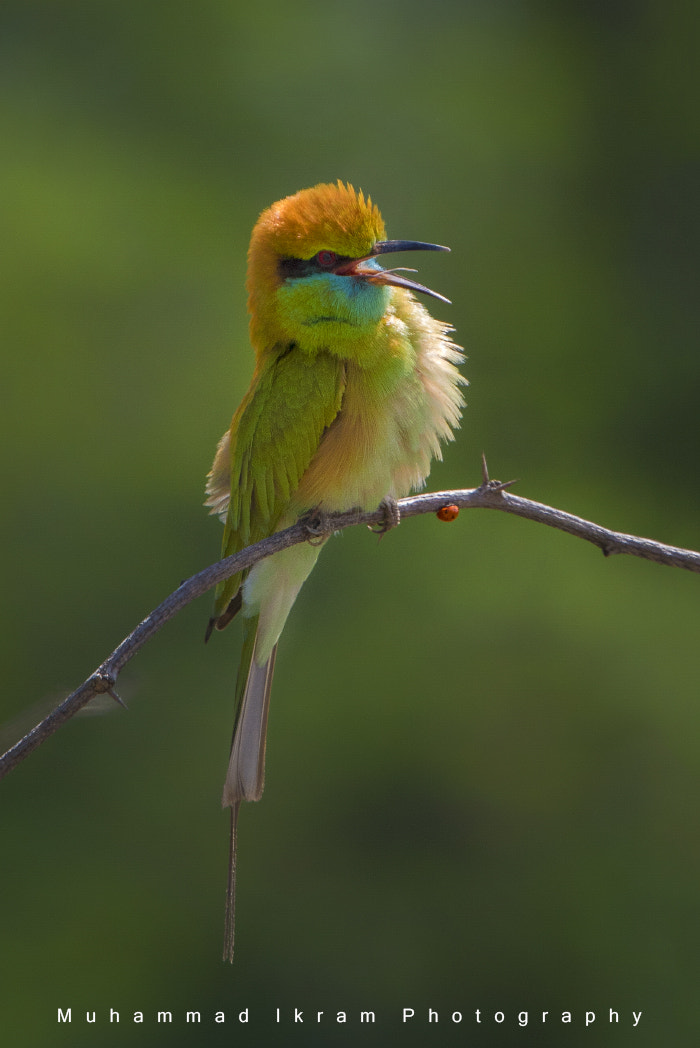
383,247
390,276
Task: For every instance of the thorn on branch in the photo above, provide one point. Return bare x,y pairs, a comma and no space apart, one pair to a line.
484,471
117,698
104,684
501,485
492,486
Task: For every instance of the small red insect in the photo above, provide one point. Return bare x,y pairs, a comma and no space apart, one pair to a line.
448,513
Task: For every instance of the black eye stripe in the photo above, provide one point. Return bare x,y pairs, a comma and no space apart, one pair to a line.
290,268
293,267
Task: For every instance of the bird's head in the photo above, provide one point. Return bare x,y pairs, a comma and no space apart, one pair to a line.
313,272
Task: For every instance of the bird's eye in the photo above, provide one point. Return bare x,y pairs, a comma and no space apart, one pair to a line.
326,258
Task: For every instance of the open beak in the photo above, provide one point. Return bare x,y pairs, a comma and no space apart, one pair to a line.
359,268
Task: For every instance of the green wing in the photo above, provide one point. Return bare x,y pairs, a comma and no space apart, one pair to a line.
274,436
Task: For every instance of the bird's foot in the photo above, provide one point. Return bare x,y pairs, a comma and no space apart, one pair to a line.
317,525
392,516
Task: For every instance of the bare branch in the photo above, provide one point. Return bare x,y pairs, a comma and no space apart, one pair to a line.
490,495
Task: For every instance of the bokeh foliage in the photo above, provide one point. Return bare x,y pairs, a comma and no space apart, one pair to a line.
483,765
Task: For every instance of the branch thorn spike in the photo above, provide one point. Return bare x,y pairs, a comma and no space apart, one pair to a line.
117,698
484,470
501,485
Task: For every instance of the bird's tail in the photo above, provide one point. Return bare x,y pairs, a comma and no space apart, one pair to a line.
245,777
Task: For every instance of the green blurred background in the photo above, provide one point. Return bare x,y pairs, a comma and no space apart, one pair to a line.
483,765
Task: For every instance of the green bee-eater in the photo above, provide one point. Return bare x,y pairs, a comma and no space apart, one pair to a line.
355,385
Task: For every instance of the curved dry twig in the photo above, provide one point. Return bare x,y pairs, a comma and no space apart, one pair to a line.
491,494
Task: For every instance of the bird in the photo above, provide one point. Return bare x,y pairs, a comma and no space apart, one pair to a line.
355,387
